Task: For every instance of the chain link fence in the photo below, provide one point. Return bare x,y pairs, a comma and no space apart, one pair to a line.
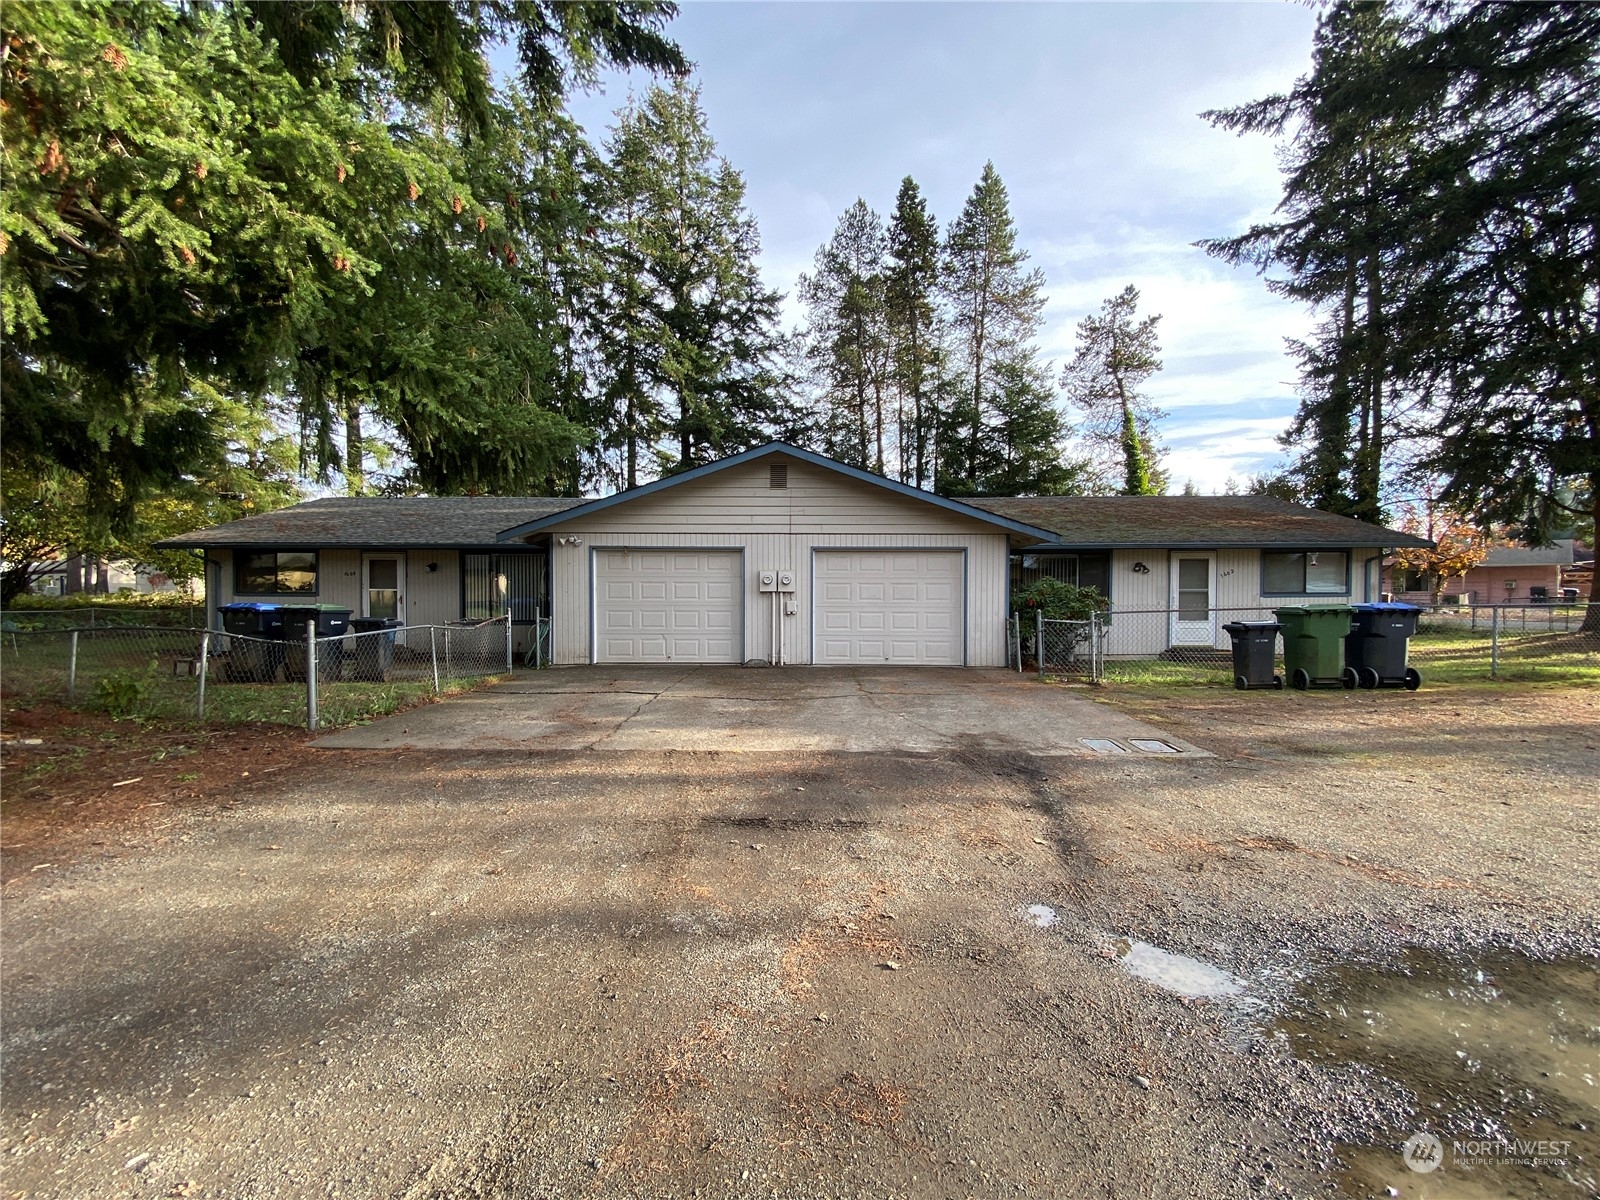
1537,643
149,672
106,616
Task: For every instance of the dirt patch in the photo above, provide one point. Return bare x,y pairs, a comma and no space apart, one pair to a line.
74,783
445,975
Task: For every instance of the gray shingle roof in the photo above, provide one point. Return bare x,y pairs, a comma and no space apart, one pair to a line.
1086,522
1200,522
380,522
1558,554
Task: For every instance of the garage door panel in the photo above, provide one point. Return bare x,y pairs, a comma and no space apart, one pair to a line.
668,606
904,607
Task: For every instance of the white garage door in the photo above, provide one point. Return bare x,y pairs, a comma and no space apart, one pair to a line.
668,606
889,606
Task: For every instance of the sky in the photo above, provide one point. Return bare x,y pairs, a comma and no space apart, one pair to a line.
1090,114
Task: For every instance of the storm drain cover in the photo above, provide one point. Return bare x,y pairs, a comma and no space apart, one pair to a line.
1152,746
1103,746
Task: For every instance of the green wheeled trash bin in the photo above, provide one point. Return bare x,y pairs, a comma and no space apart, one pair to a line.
330,621
371,654
255,642
1376,648
1313,645
1255,652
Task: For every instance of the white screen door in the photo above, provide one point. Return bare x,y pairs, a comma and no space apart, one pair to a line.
1194,582
383,586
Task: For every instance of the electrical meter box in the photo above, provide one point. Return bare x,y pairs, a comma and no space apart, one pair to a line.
776,581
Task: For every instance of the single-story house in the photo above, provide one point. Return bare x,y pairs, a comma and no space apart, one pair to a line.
1507,575
782,555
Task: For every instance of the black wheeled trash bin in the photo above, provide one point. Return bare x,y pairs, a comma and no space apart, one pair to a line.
1255,652
255,649
330,621
1376,648
372,649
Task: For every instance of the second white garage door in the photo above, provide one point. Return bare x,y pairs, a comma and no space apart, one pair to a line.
668,606
889,606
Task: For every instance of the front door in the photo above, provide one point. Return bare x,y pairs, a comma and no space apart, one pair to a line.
383,586
1194,584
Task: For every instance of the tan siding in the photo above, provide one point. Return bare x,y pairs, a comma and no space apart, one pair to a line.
739,500
433,597
1238,595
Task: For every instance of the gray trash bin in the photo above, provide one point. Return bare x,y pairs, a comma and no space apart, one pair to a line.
1255,653
371,656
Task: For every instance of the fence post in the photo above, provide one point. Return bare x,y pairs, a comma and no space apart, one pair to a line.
433,653
1494,642
1038,624
510,652
72,668
311,675
447,671
205,655
538,639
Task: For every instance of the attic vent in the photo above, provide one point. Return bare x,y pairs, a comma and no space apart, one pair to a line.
778,475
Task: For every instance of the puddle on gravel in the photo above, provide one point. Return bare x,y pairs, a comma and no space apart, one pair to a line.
1502,1050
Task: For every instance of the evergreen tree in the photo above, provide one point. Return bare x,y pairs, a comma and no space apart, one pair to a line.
849,337
911,314
1116,356
995,313
706,325
1472,254
1342,247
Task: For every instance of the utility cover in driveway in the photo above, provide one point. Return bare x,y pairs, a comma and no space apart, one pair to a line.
905,607
679,606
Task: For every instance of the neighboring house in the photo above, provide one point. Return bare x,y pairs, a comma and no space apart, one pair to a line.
1507,575
81,575
778,554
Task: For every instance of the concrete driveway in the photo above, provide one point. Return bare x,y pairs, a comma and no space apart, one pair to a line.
865,709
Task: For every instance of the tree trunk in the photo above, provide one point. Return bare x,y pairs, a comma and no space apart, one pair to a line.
1591,618
355,473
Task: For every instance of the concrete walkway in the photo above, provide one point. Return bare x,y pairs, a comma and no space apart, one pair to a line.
872,709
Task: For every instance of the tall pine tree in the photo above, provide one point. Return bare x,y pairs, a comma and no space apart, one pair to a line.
996,306
1117,354
703,380
849,338
911,310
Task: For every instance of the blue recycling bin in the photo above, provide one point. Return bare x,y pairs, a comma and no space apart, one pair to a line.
255,649
1378,644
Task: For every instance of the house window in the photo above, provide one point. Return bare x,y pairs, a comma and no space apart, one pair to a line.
275,572
1305,572
1411,581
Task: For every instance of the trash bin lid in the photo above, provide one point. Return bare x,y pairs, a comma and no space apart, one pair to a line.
1243,626
249,606
1386,606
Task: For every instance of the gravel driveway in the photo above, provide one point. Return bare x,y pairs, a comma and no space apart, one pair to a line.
433,974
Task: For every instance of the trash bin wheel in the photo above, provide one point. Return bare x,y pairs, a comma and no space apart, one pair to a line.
1277,682
1301,679
1241,683
1349,678
1413,679
1369,678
